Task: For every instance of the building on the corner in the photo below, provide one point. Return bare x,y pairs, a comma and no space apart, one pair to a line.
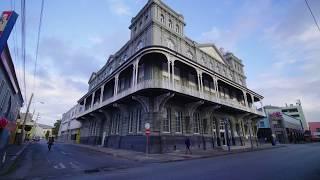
181,87
69,130
314,128
10,97
285,128
296,112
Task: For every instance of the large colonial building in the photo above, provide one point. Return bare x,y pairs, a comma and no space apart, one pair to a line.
182,88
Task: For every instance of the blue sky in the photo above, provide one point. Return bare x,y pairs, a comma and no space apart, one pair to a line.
277,41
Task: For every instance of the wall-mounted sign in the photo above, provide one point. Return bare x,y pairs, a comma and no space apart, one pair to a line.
7,21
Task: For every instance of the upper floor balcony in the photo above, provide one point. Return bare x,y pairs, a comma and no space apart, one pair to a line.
160,70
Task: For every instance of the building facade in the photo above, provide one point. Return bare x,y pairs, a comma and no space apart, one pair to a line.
10,97
314,128
296,112
69,130
285,128
182,88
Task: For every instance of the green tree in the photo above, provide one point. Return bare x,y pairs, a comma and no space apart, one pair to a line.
56,127
47,135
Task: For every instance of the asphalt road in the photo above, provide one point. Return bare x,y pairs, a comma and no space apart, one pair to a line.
295,162
62,162
300,161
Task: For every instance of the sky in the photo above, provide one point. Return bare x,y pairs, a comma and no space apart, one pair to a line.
277,41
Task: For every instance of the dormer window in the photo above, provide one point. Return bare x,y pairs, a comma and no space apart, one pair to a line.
177,28
170,23
162,18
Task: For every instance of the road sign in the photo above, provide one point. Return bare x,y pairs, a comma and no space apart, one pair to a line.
147,131
147,126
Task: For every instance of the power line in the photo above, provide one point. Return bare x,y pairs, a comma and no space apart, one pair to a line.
23,44
315,20
38,40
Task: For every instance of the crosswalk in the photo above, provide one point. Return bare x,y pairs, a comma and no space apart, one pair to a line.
69,165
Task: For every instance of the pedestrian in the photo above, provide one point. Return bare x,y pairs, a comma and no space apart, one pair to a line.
188,143
50,143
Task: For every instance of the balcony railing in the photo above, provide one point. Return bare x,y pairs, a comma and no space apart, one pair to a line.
165,84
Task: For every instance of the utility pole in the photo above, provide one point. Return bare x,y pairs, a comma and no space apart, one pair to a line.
25,118
35,125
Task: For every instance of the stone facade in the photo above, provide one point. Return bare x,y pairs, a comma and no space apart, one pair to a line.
182,88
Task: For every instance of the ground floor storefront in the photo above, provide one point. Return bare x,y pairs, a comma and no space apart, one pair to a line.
173,118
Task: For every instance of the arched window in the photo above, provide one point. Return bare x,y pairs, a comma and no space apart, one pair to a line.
139,46
170,44
170,23
177,28
162,18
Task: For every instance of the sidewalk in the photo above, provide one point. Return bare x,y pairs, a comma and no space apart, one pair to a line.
178,155
13,152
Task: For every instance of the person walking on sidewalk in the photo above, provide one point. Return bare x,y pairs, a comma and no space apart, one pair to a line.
188,143
50,143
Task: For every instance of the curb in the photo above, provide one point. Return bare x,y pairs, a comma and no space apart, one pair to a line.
247,150
12,160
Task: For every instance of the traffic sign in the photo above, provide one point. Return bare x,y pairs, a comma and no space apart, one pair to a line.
147,131
147,125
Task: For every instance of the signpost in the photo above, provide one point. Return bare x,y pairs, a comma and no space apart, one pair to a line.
147,131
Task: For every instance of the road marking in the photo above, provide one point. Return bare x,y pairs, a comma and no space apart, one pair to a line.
74,166
64,153
62,166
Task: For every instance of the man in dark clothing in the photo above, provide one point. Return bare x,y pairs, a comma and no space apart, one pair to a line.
188,143
50,142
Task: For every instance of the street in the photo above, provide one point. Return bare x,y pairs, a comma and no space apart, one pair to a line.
301,161
62,161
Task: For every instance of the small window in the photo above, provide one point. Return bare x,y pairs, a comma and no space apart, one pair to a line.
140,24
170,23
162,18
146,17
177,28
135,29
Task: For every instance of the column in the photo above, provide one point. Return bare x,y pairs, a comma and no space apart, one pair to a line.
249,123
92,99
116,80
252,98
169,74
199,81
136,72
217,87
218,132
232,128
172,67
101,94
133,75
84,104
245,99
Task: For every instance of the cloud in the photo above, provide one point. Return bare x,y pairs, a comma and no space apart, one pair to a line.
119,7
247,18
295,47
